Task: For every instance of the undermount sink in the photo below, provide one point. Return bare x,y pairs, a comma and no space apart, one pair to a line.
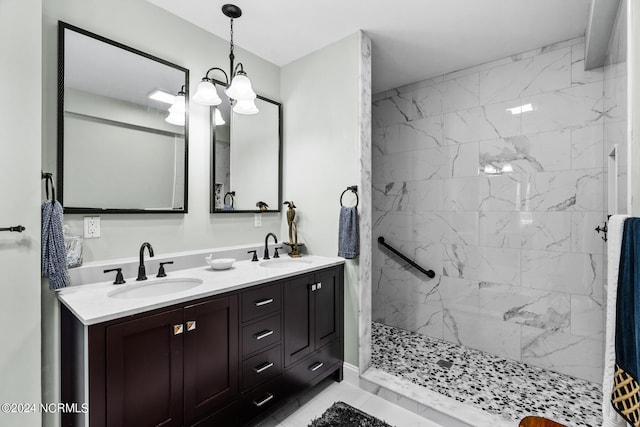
285,263
154,288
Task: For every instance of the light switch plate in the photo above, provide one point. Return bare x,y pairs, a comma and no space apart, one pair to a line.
257,220
91,227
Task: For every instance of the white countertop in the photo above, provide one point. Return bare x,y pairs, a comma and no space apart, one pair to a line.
92,304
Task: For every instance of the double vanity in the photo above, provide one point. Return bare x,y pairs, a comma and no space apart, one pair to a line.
201,347
181,343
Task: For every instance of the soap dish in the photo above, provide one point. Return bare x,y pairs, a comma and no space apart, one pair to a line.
220,263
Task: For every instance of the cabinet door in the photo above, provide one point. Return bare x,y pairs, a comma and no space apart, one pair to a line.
210,356
144,372
327,298
298,312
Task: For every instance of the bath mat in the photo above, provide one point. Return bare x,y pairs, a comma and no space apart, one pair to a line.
341,414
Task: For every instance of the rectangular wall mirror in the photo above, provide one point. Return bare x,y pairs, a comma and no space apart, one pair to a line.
247,159
117,153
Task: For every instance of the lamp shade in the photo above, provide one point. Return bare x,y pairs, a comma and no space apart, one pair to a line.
177,111
206,94
240,88
219,121
246,106
175,118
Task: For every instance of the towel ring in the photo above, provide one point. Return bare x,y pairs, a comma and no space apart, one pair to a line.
48,179
354,189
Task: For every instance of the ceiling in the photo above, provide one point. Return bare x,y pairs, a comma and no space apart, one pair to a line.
411,39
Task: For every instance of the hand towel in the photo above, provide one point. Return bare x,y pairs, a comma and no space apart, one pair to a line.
348,234
610,418
626,394
54,255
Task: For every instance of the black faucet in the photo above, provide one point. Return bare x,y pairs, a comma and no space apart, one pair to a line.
266,247
142,272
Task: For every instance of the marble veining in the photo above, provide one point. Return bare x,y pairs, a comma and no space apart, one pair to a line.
505,388
494,177
364,280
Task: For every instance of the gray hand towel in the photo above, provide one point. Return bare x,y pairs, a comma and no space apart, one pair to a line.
348,234
54,255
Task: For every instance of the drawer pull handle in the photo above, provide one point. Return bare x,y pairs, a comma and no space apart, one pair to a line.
191,325
264,302
263,368
316,366
263,334
265,400
178,329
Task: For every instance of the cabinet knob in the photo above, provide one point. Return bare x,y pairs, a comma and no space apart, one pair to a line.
264,302
264,400
263,367
263,334
191,325
178,329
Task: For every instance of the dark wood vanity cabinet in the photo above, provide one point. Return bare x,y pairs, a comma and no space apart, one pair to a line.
224,360
172,368
313,328
143,372
169,367
210,357
313,313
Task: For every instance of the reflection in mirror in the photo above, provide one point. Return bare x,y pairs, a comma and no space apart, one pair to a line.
247,159
122,133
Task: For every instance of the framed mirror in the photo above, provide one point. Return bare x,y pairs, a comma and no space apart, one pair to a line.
119,151
246,159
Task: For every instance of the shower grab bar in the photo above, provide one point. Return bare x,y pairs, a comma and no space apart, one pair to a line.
430,274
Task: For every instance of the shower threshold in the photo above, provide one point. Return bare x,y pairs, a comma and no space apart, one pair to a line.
459,386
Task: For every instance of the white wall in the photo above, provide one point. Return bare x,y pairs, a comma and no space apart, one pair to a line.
146,27
320,95
616,121
143,26
633,34
20,135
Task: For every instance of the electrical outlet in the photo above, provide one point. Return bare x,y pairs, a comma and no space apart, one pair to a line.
91,227
257,220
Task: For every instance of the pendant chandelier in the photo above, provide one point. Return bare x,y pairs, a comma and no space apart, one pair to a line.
238,86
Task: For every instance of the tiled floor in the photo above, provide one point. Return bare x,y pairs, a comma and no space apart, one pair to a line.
502,387
312,404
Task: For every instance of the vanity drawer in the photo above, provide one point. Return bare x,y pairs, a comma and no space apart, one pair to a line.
261,399
259,335
261,367
301,375
261,301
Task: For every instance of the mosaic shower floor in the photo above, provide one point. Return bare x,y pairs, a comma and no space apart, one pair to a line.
500,386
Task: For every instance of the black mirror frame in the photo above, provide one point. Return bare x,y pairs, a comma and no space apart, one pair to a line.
212,207
62,26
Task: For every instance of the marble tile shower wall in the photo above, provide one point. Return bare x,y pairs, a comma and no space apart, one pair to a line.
501,202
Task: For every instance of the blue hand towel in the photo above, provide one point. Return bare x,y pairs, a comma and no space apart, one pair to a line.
348,234
54,256
626,393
